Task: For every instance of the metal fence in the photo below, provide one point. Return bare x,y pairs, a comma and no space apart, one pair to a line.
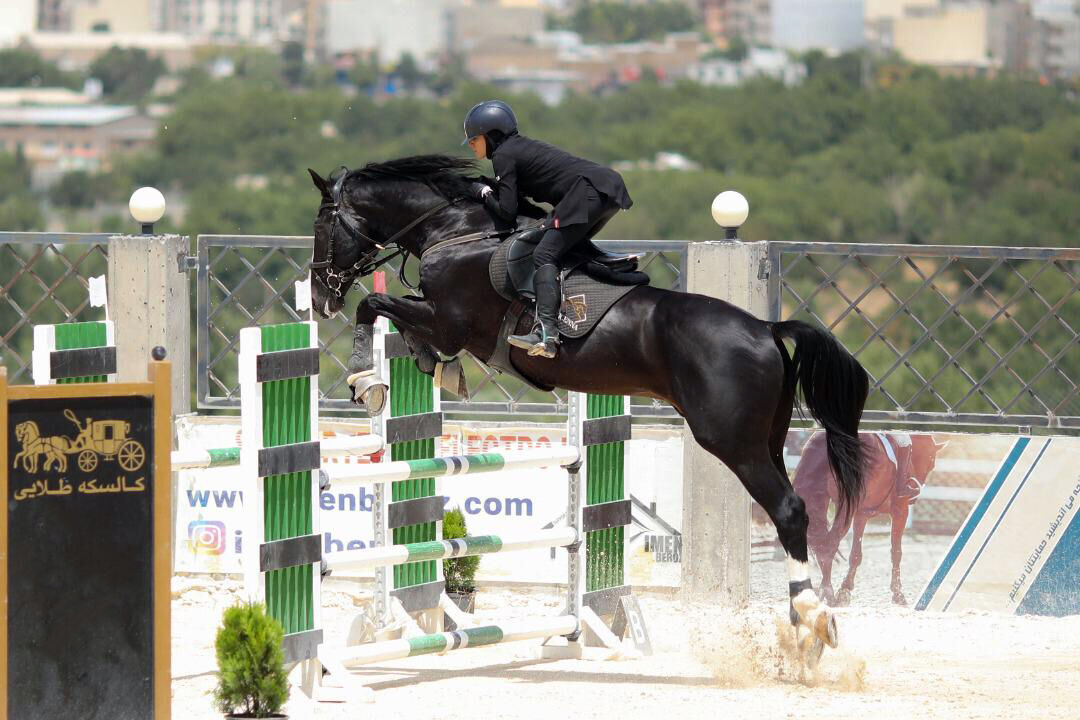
950,335
44,278
247,280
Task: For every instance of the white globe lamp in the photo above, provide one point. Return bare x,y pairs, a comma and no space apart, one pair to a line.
147,205
730,210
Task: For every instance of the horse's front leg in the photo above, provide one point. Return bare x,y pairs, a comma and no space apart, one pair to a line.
414,318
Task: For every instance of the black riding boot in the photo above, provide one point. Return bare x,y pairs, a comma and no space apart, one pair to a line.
544,338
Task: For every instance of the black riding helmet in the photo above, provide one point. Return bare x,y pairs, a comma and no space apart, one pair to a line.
493,119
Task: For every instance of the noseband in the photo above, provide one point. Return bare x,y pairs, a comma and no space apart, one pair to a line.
339,283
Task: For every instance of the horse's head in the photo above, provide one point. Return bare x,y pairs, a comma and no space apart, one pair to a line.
340,243
382,205
924,451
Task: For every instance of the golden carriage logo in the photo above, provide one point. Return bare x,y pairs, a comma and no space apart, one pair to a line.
94,441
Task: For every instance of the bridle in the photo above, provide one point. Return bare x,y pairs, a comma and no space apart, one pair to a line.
339,282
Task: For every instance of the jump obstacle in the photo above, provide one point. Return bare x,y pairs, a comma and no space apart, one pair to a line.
279,395
279,451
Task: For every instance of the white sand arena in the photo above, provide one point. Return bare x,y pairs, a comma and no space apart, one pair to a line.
893,663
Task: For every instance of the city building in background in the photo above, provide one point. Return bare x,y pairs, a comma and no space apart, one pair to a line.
1055,44
949,37
18,18
259,22
76,51
58,139
758,63
748,20
831,25
562,57
54,15
470,25
111,16
388,28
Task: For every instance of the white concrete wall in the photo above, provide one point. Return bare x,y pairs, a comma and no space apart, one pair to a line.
827,24
390,27
17,18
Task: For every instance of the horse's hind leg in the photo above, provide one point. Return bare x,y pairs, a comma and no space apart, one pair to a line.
899,523
757,469
854,560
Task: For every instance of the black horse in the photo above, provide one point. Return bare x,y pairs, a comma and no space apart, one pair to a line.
726,372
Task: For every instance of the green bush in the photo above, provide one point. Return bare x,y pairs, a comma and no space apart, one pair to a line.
251,674
460,572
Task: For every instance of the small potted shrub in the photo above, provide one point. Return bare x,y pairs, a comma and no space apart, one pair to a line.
252,682
460,572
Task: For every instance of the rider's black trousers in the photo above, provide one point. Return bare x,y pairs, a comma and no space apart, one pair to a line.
558,241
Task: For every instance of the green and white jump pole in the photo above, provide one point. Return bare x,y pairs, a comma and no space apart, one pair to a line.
78,352
279,454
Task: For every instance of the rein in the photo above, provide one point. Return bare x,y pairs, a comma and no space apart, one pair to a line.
339,283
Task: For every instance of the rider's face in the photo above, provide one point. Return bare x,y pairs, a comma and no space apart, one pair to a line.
479,146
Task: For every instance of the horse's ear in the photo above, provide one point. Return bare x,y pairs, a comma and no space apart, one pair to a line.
322,185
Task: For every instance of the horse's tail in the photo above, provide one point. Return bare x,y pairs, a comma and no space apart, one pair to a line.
834,388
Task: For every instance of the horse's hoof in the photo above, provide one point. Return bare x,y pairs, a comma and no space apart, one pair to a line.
832,635
368,391
810,646
843,598
899,599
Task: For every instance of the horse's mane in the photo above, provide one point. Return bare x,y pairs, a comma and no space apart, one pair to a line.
442,173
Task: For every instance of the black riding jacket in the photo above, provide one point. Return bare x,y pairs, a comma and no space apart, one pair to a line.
545,173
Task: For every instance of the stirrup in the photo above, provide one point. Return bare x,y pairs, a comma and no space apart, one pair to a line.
525,342
547,348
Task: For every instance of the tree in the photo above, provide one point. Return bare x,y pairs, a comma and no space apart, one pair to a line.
19,209
127,74
611,22
409,72
364,73
292,57
75,190
21,67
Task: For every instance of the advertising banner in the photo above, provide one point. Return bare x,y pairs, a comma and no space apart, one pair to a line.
209,517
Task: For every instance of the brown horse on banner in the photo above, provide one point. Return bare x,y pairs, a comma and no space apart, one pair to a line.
897,465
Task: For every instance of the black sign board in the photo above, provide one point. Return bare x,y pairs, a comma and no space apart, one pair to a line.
84,550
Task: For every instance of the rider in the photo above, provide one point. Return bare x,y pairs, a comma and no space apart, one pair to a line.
584,196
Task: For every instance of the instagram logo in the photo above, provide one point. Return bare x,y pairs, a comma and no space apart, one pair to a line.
206,537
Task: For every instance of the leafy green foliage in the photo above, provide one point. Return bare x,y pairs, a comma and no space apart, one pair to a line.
612,22
251,672
127,74
25,68
860,152
19,209
460,572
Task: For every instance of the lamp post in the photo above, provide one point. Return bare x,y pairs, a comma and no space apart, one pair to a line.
147,205
729,210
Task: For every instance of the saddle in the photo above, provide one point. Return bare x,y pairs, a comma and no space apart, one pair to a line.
592,282
600,265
